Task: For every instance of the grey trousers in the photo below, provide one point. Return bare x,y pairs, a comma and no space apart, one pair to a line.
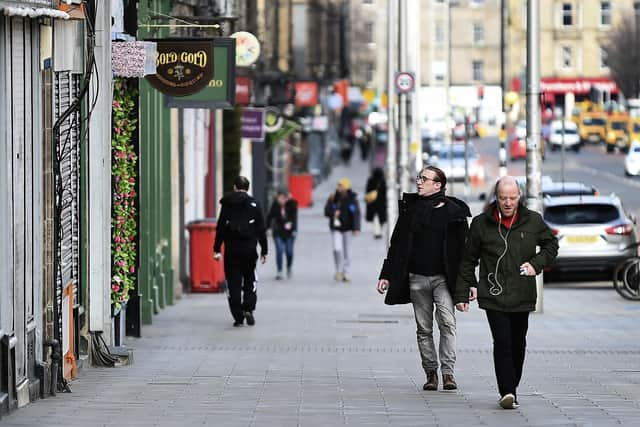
342,250
427,293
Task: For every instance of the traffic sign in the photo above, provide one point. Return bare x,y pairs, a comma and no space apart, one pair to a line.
405,82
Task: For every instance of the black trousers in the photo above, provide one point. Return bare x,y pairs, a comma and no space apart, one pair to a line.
509,331
240,272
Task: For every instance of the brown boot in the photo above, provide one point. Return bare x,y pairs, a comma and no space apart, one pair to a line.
449,382
432,381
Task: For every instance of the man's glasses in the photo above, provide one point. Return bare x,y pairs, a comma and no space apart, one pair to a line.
421,179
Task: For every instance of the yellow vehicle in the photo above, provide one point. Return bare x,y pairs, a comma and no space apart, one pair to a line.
592,126
634,129
618,132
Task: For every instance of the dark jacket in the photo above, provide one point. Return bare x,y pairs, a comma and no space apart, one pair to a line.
486,245
395,268
379,205
349,211
232,206
277,222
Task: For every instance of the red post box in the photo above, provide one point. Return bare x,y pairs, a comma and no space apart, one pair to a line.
301,189
207,274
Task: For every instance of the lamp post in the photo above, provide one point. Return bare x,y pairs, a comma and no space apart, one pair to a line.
392,189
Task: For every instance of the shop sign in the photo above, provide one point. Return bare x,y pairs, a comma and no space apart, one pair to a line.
220,92
577,86
243,90
252,121
306,94
183,66
247,48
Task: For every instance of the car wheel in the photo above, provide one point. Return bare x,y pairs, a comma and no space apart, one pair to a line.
609,149
576,148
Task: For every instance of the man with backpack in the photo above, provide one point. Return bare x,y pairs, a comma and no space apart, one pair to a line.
240,227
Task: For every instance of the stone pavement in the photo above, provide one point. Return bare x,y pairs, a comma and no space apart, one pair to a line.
325,353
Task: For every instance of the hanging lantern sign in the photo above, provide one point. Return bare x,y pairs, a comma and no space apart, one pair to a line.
273,121
247,48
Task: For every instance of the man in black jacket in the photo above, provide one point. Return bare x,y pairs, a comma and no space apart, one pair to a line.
283,221
504,239
422,266
240,227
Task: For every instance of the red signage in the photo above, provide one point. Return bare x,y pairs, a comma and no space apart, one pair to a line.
583,85
243,90
306,94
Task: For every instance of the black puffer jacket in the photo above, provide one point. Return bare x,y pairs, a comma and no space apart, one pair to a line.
396,266
379,205
349,211
232,206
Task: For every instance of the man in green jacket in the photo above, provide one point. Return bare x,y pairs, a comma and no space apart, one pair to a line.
504,239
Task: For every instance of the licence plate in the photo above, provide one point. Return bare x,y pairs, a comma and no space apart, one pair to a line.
594,138
582,239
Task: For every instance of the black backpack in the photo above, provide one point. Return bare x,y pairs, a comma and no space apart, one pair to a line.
242,222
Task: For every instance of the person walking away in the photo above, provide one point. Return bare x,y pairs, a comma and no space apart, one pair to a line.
240,227
422,265
343,212
376,201
282,219
503,239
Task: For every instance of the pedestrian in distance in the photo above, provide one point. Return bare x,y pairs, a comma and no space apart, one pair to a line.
343,212
503,238
282,219
422,265
375,198
240,227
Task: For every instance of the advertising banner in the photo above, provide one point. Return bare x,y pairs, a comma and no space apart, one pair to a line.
253,123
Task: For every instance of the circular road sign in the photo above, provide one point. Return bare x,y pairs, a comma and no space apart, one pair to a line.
405,81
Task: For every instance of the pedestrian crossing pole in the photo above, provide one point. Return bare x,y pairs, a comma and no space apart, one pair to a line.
502,153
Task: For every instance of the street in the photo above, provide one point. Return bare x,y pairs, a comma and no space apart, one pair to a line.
325,353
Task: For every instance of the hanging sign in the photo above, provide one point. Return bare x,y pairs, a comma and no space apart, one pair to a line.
247,48
183,66
252,121
220,92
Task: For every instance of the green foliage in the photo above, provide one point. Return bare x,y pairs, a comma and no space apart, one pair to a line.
124,224
231,147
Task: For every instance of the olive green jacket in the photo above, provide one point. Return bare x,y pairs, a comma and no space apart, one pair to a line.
485,244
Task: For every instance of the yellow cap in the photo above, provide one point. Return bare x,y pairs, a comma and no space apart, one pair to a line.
345,183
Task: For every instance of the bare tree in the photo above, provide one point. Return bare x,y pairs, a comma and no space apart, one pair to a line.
623,55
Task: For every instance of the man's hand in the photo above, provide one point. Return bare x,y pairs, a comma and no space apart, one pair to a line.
383,285
263,258
528,268
356,232
473,294
217,256
462,306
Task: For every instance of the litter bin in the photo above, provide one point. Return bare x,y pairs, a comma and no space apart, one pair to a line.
207,274
301,188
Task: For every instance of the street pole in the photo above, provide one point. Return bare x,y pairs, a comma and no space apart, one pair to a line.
502,154
447,108
466,155
404,140
562,149
534,158
392,189
413,28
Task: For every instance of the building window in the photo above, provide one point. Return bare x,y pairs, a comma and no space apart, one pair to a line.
605,13
478,71
476,3
567,14
566,57
603,57
368,32
367,1
439,33
478,33
368,72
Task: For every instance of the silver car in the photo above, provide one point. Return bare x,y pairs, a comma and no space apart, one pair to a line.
592,232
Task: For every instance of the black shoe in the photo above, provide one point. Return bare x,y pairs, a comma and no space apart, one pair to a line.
250,319
237,323
449,382
432,381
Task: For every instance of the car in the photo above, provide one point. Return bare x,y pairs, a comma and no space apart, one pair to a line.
567,188
568,137
593,232
453,166
517,149
632,159
521,129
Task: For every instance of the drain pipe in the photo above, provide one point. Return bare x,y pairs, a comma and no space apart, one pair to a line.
56,358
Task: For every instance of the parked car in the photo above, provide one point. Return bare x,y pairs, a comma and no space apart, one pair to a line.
453,166
592,232
556,189
632,159
570,139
